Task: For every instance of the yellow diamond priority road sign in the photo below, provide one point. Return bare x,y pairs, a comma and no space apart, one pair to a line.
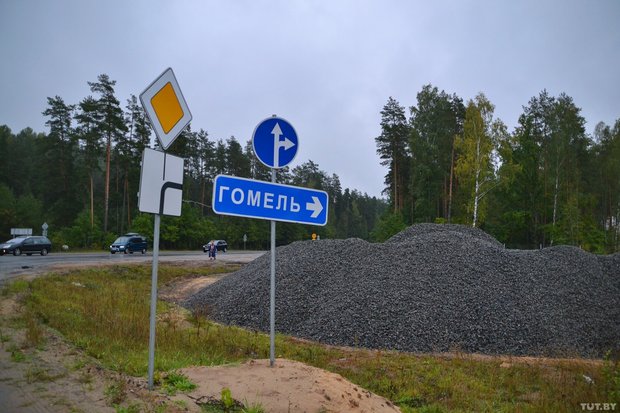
166,108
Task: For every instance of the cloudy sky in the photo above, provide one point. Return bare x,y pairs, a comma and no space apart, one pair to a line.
326,66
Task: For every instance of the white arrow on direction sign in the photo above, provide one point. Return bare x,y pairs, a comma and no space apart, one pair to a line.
276,132
287,144
315,206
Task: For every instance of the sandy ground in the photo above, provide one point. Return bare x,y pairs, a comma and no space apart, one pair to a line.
288,386
57,377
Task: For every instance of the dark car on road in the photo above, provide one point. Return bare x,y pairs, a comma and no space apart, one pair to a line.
26,245
220,244
129,243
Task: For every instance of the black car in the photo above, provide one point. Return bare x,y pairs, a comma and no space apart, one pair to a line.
220,244
129,243
26,245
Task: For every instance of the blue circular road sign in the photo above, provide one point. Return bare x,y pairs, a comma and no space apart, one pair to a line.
275,142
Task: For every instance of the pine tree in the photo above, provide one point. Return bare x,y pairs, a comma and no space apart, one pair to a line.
435,121
59,147
111,127
88,119
392,149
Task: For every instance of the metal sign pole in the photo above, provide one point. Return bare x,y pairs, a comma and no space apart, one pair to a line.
272,306
153,300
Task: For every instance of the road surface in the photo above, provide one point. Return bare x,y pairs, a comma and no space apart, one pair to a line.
12,266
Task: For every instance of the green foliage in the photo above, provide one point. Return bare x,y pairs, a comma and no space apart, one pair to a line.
611,376
392,149
174,382
389,224
82,178
227,399
547,183
132,408
435,121
17,355
8,211
474,168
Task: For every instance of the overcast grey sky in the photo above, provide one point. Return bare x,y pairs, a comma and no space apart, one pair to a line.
326,66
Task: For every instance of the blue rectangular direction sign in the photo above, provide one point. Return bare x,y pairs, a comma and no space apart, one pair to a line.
265,200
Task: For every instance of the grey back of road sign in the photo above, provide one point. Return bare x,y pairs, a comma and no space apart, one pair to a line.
161,183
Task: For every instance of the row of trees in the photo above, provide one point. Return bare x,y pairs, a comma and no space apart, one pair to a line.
546,183
83,176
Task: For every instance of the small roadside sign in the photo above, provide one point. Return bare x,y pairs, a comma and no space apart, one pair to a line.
161,183
275,142
166,108
250,198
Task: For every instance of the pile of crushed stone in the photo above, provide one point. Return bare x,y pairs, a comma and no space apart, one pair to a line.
430,288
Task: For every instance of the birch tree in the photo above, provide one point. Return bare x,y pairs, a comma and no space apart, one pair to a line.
474,165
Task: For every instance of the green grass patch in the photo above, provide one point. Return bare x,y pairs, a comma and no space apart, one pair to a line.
105,311
175,382
14,287
17,355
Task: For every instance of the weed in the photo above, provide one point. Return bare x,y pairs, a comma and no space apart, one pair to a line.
611,377
38,374
132,408
34,332
116,392
253,408
4,338
227,404
17,355
227,400
15,287
78,364
410,401
174,382
85,378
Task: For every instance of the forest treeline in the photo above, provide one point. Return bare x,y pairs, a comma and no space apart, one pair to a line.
546,183
448,161
82,179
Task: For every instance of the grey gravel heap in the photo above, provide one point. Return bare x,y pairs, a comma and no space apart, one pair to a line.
430,288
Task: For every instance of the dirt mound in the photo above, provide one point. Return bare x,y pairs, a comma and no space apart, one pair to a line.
289,386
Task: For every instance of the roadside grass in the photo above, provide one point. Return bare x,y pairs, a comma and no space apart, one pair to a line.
105,311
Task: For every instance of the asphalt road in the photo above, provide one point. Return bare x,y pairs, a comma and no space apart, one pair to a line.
12,266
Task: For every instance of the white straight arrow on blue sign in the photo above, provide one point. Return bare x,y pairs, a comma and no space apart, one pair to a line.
266,200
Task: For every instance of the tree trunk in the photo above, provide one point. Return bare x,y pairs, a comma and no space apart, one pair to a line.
395,183
477,182
92,203
451,181
122,220
202,197
107,187
128,203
